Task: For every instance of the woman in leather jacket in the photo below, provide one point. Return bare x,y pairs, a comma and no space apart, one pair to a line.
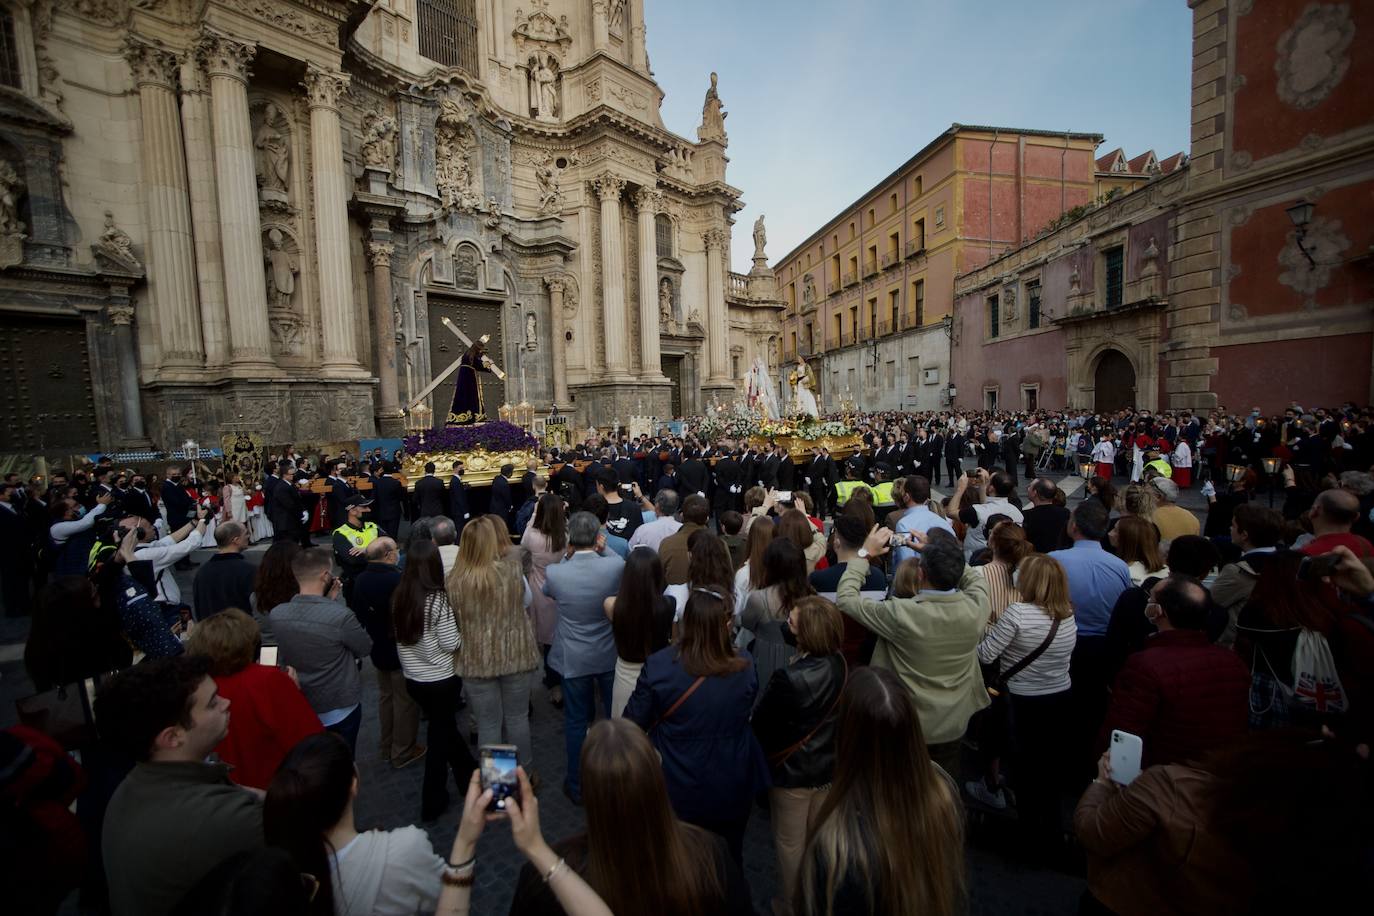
795,724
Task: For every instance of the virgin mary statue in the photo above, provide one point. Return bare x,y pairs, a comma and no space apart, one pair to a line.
803,382
758,391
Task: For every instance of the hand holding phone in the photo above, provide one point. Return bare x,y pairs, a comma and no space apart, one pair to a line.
1124,757
268,656
498,774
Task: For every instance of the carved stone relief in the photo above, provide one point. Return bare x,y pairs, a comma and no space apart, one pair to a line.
1327,244
456,175
12,228
281,265
378,146
115,248
287,19
466,267
1313,55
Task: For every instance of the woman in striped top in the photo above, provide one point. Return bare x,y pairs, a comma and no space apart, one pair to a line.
1040,706
1008,545
426,638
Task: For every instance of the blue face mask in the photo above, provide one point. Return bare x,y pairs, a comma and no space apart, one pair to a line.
80,511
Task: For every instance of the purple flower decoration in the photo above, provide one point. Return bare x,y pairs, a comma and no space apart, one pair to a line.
496,436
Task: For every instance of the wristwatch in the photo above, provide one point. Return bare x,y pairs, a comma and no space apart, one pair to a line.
863,553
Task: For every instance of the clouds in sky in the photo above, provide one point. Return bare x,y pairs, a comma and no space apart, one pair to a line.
826,98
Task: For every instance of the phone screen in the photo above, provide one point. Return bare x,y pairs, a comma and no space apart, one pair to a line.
498,774
268,656
784,496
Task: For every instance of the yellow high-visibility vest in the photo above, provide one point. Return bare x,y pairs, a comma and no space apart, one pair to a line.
846,488
882,494
356,537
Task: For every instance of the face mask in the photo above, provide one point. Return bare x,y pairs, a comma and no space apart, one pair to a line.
80,511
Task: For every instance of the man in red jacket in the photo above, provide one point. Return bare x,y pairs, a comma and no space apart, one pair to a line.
1182,695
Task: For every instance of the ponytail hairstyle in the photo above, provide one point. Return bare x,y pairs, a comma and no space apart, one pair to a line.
308,796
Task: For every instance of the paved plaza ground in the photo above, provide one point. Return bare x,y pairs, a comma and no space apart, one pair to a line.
999,883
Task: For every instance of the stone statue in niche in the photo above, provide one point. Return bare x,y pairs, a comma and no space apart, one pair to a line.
454,174
115,247
615,19
378,146
273,148
281,269
712,115
808,288
665,300
550,197
465,269
760,238
531,331
543,70
12,233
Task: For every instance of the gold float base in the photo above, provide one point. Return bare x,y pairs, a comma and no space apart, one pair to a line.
797,447
480,467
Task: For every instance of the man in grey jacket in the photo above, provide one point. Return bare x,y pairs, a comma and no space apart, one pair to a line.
583,646
322,639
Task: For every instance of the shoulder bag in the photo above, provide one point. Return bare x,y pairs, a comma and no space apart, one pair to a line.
678,702
778,759
999,686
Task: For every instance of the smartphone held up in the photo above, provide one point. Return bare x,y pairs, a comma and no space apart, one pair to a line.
498,762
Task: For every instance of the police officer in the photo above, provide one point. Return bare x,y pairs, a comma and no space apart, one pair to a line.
351,540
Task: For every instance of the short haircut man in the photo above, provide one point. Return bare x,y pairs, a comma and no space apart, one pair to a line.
1001,484
310,562
1042,488
1262,527
141,703
666,503
228,532
583,529
443,531
696,510
1183,601
429,467
849,530
1192,555
917,489
1090,520
379,549
1338,508
731,522
942,560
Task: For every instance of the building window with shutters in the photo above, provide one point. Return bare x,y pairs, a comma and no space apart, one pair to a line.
1033,305
448,32
1113,260
10,74
663,236
994,317
919,316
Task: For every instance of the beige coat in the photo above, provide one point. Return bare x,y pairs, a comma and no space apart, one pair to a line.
498,636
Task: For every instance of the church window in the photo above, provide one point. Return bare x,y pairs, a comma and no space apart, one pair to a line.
448,32
663,234
9,52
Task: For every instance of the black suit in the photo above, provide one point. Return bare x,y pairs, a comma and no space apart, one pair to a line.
786,472
694,476
286,511
388,500
768,472
729,486
429,497
501,499
141,504
180,507
954,456
817,474
458,502
339,491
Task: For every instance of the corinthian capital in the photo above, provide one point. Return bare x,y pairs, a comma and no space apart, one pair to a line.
649,200
556,285
608,186
379,253
221,56
323,87
151,65
714,239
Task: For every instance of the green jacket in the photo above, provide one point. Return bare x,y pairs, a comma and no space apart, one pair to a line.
929,642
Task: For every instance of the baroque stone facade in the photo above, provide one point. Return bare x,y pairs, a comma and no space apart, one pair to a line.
286,206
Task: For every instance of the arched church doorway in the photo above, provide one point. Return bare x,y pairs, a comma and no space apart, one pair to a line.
1113,382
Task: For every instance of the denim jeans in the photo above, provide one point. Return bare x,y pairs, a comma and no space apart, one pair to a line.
347,728
578,710
502,707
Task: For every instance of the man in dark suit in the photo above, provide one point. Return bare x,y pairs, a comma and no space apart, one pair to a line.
429,494
139,502
388,500
339,492
286,509
693,476
767,470
180,507
954,455
458,508
729,485
786,473
501,495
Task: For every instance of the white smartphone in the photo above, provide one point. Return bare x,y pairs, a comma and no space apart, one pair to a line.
1125,757
268,656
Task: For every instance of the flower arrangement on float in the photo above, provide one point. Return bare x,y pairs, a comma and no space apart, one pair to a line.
482,447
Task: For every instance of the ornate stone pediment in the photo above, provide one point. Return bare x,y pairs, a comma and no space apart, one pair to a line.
281,15
541,29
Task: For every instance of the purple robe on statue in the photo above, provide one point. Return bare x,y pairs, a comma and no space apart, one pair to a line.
467,393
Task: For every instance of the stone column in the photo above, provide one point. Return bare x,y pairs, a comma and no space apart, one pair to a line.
171,251
649,201
228,64
122,319
331,222
389,416
639,55
601,25
200,170
608,188
717,329
557,339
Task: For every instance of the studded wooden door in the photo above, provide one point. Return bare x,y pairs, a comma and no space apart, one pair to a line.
672,368
474,319
45,385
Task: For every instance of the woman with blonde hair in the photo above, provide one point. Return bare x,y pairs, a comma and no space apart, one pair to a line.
1009,547
489,597
906,581
1136,541
889,837
1033,641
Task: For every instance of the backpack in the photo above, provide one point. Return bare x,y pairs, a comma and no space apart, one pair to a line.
1316,683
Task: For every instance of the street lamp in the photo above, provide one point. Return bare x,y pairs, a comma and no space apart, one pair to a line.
1086,469
1235,472
1271,467
1301,215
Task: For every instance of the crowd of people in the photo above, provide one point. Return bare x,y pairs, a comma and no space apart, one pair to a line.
726,630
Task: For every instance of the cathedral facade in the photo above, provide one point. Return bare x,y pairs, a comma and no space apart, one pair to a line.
288,214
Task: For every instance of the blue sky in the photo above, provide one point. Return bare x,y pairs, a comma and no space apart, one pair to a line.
826,98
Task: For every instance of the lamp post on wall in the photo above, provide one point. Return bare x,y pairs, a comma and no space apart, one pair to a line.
1271,468
1301,215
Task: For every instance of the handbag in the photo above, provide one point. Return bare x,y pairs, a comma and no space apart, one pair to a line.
678,702
1000,685
64,714
779,758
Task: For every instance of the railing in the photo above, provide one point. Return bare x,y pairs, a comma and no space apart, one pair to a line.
870,268
915,247
851,278
909,321
739,286
832,288
890,259
885,328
